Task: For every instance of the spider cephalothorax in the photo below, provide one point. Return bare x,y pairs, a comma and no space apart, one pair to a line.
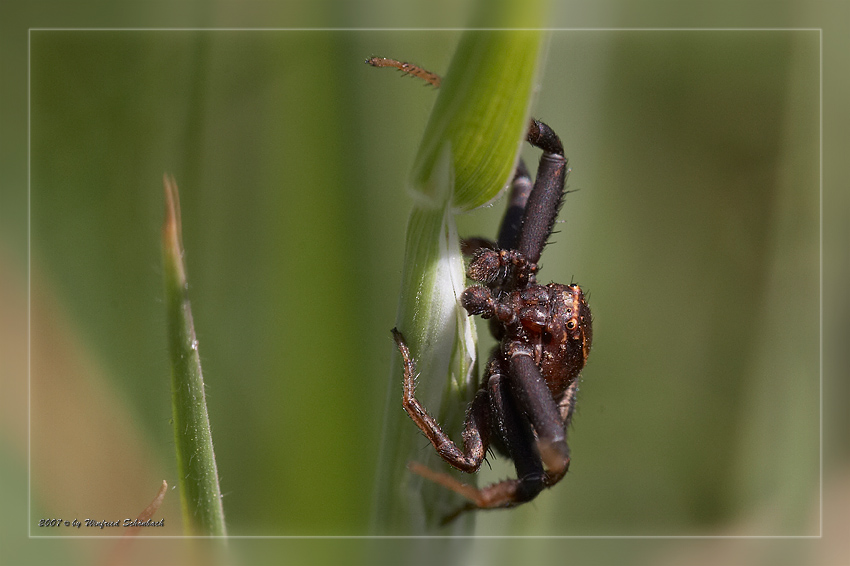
528,393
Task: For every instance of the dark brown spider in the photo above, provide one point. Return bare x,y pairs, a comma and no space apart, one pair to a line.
528,393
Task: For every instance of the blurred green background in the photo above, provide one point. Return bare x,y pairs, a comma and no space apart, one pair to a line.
694,225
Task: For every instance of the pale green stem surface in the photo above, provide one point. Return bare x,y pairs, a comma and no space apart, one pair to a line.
467,156
200,494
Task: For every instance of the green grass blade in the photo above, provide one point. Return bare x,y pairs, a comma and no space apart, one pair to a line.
481,114
200,494
467,156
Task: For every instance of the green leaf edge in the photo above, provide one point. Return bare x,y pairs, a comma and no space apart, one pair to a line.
198,483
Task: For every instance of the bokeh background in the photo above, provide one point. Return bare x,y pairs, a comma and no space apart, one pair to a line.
695,226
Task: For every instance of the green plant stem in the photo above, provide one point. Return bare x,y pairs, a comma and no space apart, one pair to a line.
200,494
468,153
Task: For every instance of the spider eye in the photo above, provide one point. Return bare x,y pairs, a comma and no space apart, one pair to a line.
571,324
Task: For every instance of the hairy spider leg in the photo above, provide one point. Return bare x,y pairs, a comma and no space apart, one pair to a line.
476,429
529,390
521,186
406,68
546,197
565,408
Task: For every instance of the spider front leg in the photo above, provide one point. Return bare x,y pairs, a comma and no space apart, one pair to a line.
476,431
521,186
534,399
566,408
546,197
